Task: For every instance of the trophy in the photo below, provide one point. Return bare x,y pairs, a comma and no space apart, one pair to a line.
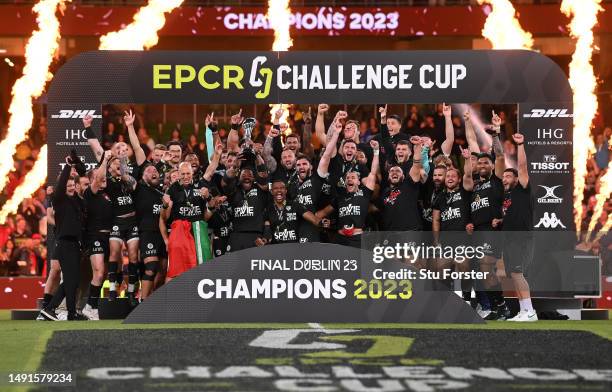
247,155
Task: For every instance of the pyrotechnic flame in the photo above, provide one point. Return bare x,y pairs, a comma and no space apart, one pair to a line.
35,178
278,14
583,82
39,53
142,32
283,119
604,229
503,29
605,187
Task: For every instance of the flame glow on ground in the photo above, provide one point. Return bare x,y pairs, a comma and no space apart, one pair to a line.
142,32
503,29
35,178
583,82
279,15
39,54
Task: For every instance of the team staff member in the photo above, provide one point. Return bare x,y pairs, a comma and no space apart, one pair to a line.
431,190
120,187
218,211
186,205
148,208
99,224
486,213
281,223
311,187
248,201
352,203
399,202
518,241
69,219
451,213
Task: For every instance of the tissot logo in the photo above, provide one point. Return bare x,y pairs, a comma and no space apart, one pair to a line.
79,113
550,221
550,197
548,113
550,164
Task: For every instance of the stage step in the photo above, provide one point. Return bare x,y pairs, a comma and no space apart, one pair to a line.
113,310
595,314
24,314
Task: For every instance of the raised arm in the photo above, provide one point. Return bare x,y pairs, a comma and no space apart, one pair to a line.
60,190
100,171
523,172
320,121
128,119
468,180
92,139
500,160
307,134
330,150
233,139
470,134
125,176
214,162
370,181
447,144
337,119
268,150
417,165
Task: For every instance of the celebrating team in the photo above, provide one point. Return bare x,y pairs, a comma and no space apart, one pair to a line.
170,212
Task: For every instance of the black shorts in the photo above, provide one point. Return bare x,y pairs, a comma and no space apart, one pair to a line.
124,229
97,244
220,245
152,245
490,239
518,251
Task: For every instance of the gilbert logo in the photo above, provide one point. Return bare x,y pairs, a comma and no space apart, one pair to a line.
548,113
550,197
76,114
550,221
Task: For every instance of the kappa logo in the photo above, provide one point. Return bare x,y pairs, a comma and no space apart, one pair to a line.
548,113
550,221
79,113
550,197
